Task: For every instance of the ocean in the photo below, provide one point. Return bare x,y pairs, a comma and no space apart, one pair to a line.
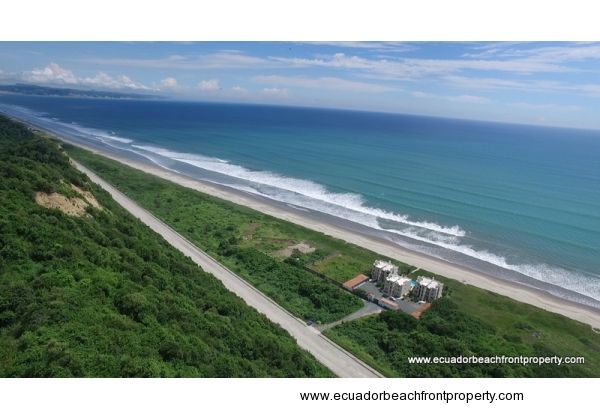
518,202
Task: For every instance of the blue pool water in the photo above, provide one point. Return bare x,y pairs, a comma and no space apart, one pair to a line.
519,202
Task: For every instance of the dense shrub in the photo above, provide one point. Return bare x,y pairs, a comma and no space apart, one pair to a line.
105,296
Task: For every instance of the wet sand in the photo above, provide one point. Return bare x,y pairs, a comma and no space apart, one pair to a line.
312,221
357,235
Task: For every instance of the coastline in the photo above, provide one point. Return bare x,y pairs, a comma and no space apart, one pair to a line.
513,290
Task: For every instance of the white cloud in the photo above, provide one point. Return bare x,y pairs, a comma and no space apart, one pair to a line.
467,99
499,57
533,85
52,73
126,82
218,60
545,106
211,85
571,53
554,54
239,89
367,45
438,66
329,83
100,79
275,91
168,83
592,90
419,94
416,68
496,57
486,83
103,80
338,60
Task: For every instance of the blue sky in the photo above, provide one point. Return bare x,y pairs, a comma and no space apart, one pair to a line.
533,83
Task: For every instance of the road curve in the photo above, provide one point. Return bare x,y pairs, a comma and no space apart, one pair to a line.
338,360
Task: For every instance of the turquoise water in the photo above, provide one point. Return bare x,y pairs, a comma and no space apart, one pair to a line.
519,202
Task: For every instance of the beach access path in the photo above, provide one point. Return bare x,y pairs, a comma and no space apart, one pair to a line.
369,308
338,360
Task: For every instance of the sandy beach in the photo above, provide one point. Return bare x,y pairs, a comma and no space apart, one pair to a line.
519,292
515,291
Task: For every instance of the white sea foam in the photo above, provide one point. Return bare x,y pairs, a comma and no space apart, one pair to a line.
90,133
588,285
118,139
103,136
310,195
305,188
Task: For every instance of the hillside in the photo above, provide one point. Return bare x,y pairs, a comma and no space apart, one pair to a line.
27,89
467,321
87,290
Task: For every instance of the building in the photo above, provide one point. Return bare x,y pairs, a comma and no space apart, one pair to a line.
397,286
381,270
427,289
355,282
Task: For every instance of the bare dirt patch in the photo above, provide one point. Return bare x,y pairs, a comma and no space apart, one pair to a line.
87,196
249,231
302,247
73,206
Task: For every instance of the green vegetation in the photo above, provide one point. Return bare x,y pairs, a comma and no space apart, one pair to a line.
467,321
102,295
207,221
25,89
245,240
471,321
302,293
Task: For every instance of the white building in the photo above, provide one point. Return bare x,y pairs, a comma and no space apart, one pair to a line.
396,286
428,289
381,270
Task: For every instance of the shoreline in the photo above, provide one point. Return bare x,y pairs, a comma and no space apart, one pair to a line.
513,290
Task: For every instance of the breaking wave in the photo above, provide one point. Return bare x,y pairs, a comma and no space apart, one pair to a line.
103,136
351,207
310,189
585,284
53,122
309,195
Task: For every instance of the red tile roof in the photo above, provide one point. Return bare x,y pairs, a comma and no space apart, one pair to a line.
352,283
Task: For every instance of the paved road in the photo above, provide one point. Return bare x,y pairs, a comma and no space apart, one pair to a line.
338,360
369,308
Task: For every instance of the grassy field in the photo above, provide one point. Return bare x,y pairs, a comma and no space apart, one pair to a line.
98,294
201,217
467,321
246,241
471,321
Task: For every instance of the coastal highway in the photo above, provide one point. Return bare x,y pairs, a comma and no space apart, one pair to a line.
338,360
